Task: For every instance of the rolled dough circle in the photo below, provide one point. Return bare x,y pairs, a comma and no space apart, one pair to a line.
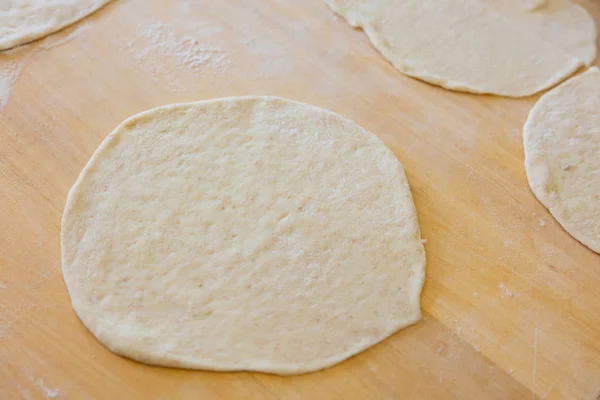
506,47
22,21
562,148
250,233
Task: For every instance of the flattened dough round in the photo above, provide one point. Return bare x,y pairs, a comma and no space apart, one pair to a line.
562,155
22,21
503,47
251,233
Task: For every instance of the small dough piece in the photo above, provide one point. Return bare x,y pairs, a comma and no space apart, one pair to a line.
22,21
251,233
562,155
462,45
560,22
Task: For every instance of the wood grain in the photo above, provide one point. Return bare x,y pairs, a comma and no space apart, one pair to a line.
511,300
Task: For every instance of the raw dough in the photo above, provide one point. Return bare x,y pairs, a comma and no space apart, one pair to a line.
562,155
560,22
249,233
468,45
22,21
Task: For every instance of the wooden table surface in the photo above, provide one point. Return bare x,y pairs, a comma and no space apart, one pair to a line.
511,303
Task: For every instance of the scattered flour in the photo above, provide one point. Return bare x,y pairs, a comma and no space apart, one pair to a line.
10,69
50,393
157,41
3,285
505,292
188,39
441,348
542,222
9,72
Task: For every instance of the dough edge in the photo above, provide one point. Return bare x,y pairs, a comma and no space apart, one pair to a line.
41,32
382,48
537,182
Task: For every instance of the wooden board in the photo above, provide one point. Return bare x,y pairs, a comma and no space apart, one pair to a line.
511,302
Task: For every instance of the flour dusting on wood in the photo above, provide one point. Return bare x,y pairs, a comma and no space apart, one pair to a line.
9,72
505,291
49,392
160,51
187,50
10,69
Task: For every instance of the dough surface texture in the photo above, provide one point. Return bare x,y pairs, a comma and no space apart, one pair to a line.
501,47
560,22
250,233
562,155
23,21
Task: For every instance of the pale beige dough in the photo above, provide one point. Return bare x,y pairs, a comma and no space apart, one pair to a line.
501,47
22,21
560,22
562,155
250,233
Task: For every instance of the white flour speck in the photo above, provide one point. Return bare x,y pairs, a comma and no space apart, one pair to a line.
50,393
9,72
505,292
3,285
542,222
